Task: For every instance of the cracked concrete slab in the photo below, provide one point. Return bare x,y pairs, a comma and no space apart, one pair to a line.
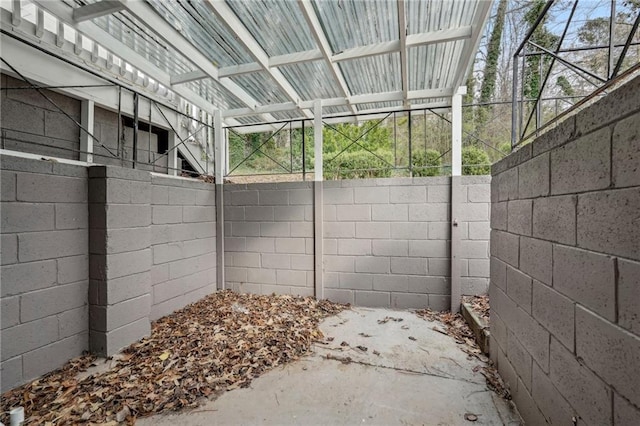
422,380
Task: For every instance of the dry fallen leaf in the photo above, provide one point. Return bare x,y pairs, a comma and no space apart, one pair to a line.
164,356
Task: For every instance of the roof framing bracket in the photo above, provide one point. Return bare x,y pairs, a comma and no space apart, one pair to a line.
96,10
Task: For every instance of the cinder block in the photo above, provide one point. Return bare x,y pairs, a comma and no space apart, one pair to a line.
29,336
11,374
507,183
554,219
276,261
563,132
303,262
166,214
10,311
554,407
396,283
330,246
125,239
124,288
428,285
408,266
49,188
498,333
347,213
371,264
290,245
586,393
498,273
274,229
536,259
73,269
296,278
625,155
300,196
106,344
429,248
183,267
519,288
339,230
258,245
373,299
25,277
479,268
479,231
159,273
531,334
555,312
628,295
235,274
582,165
289,213
586,277
233,213
519,359
276,197
479,193
390,248
8,249
302,229
438,194
520,217
409,301
43,360
339,263
533,177
119,265
607,222
72,216
610,351
244,198
339,295
407,194
508,374
163,253
358,281
505,247
473,212
258,213
409,231
623,412
439,302
432,212
128,215
107,318
337,195
390,212
199,214
27,217
373,230
8,188
354,247
206,197
199,247
244,229
159,194
371,195
54,244
331,280
439,267
250,260
438,230
473,249
182,196
499,217
474,286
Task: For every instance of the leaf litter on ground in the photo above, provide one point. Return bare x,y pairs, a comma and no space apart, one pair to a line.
219,343
457,328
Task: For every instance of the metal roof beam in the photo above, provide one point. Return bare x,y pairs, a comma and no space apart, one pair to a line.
240,31
404,63
232,70
295,58
471,45
188,77
323,43
96,10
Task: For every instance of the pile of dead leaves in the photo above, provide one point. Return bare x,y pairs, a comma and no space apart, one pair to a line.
219,343
479,304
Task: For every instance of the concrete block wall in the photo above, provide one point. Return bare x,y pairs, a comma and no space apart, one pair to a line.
269,231
182,243
47,131
91,255
44,277
565,267
386,241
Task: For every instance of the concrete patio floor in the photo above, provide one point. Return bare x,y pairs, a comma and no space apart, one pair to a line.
417,376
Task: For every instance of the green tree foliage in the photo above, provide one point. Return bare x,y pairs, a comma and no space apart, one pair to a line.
563,83
493,54
475,161
542,37
427,163
359,164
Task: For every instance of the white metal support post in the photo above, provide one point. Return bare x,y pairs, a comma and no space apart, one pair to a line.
172,156
318,202
456,198
219,143
86,139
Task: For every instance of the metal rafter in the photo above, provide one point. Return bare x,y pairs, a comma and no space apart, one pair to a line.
471,45
325,49
244,36
96,10
404,64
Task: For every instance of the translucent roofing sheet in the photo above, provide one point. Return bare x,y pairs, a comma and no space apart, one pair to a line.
262,87
312,80
373,74
434,66
357,23
379,105
215,93
434,15
277,25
